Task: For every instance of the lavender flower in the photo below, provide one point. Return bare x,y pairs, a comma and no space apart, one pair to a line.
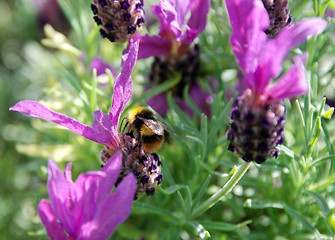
104,128
49,12
279,16
86,208
119,19
174,51
171,40
258,117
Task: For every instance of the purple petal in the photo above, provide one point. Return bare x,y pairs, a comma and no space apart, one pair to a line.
54,229
112,171
189,36
62,199
97,188
153,46
111,212
68,173
248,19
184,106
104,130
182,7
202,99
199,10
292,84
270,66
85,189
167,15
36,109
159,104
123,84
100,65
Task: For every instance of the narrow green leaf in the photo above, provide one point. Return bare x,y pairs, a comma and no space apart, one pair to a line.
199,230
163,87
38,233
316,135
215,173
93,91
328,114
167,174
74,83
143,208
322,106
287,151
327,137
321,201
190,102
323,8
203,133
195,139
202,191
172,189
219,123
188,203
262,204
97,90
320,160
225,227
293,213
184,119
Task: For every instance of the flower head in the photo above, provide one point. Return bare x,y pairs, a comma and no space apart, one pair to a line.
104,128
119,20
279,16
171,39
258,117
174,51
86,208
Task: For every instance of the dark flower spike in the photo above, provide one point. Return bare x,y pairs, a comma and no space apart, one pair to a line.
181,21
258,117
118,19
279,16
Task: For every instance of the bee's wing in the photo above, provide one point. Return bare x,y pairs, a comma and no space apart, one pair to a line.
167,127
154,125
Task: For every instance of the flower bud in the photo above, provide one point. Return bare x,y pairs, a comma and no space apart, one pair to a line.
119,19
146,166
256,128
279,16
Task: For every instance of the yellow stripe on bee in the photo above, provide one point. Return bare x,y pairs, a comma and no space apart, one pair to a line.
145,131
133,112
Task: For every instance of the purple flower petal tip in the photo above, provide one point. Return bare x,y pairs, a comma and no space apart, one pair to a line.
123,83
261,58
87,208
100,65
172,15
100,133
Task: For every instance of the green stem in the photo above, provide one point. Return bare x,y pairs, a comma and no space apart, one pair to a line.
223,191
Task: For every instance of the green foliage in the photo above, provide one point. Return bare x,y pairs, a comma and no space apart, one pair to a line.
291,197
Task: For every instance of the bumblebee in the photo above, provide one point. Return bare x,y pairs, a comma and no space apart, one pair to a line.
146,128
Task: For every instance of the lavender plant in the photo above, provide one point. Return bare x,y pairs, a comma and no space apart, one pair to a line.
207,179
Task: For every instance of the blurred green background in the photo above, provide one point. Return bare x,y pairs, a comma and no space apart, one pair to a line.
28,70
21,77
